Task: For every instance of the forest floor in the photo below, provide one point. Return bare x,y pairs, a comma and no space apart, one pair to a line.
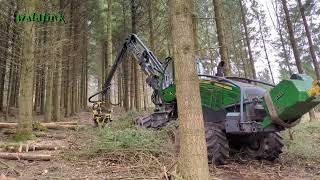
124,151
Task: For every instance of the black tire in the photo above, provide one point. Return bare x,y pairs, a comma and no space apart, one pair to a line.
267,146
217,143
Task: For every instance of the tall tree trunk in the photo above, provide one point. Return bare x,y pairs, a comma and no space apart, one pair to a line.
311,46
244,23
234,47
191,125
311,49
221,36
286,57
294,46
208,39
11,56
27,70
109,48
292,39
137,72
56,112
49,85
126,74
265,47
5,36
150,24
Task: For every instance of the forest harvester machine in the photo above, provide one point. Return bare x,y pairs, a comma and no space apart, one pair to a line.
239,113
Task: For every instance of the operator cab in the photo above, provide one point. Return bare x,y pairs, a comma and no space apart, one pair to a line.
168,73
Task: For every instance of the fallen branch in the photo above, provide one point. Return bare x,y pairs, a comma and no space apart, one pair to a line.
25,156
10,168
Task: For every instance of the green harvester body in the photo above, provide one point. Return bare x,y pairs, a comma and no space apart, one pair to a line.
291,98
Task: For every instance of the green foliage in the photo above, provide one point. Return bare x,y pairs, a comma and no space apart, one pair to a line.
36,126
305,143
23,136
123,135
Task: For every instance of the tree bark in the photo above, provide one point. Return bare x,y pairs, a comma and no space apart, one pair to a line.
265,47
137,72
221,36
109,48
26,80
126,75
286,57
308,34
56,112
293,41
244,23
294,46
193,162
49,85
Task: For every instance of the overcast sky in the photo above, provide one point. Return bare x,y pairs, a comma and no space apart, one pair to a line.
261,61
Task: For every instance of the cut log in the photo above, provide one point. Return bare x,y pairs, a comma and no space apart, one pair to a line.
28,147
53,136
64,122
25,156
56,125
8,125
60,126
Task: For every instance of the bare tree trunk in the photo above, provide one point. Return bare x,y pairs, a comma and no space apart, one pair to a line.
234,47
244,22
4,34
11,58
137,72
24,130
56,112
49,85
292,38
193,162
126,95
312,51
294,46
264,47
221,36
208,38
311,46
109,47
68,64
286,57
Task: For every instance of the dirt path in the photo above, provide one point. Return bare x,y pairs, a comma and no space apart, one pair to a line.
74,162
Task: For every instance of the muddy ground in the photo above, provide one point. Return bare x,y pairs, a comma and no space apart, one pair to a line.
76,162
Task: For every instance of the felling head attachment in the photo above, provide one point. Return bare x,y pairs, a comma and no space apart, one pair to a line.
101,114
315,89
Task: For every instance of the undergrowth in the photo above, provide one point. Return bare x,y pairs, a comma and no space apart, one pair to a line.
305,143
122,135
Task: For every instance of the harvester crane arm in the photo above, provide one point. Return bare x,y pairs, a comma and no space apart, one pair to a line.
148,62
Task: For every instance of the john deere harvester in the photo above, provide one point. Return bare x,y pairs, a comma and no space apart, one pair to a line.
239,113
